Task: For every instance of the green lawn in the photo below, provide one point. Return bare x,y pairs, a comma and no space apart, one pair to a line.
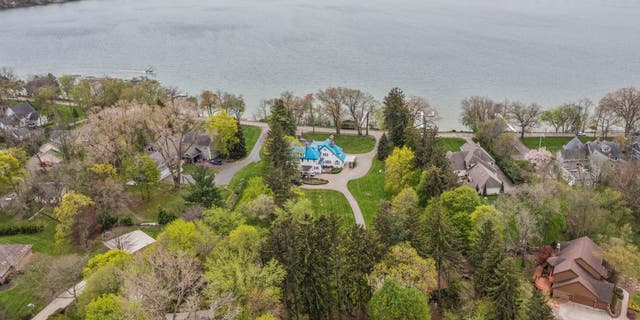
239,180
452,144
251,134
42,241
330,201
552,144
349,143
164,197
57,113
16,299
369,190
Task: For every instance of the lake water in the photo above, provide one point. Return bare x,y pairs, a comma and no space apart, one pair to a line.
548,51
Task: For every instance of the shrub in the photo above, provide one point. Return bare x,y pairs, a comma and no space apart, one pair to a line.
165,217
22,228
125,221
315,181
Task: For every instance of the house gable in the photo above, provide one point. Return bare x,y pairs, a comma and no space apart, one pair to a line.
576,289
583,263
564,275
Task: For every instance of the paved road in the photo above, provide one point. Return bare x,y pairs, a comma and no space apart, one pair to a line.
61,302
228,170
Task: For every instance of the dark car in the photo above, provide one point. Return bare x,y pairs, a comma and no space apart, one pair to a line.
217,162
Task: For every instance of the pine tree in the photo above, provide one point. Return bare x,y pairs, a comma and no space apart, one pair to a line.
504,290
442,246
396,117
429,150
384,147
488,252
281,163
239,149
537,307
433,182
283,116
203,191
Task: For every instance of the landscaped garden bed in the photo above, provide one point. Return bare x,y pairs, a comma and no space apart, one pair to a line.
314,181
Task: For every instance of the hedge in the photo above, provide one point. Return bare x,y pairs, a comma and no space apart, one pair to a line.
23,228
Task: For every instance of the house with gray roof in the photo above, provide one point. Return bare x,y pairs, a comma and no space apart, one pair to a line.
200,147
476,168
586,163
579,275
13,258
21,115
635,149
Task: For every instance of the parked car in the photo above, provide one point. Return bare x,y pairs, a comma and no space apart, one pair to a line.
581,134
216,162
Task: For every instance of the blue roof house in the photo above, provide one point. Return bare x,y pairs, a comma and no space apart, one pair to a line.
315,155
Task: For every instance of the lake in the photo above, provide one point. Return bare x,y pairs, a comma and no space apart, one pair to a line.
547,51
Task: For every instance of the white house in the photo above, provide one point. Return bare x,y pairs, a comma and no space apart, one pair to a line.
316,155
21,115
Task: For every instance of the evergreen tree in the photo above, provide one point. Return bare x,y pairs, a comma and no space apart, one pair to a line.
396,117
281,167
384,147
203,191
282,115
488,252
504,291
433,182
358,252
395,302
239,149
441,242
429,151
537,307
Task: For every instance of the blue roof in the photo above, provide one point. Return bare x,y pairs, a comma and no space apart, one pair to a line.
313,151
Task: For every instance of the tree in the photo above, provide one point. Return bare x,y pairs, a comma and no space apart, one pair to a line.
604,118
282,116
433,182
399,169
281,163
476,110
384,147
37,82
421,113
11,171
239,149
488,252
233,105
144,172
429,150
74,211
403,263
9,83
396,117
393,301
359,104
203,190
222,221
81,95
490,131
527,116
170,125
358,252
117,258
49,275
108,306
209,101
538,308
234,267
190,238
161,280
556,118
224,129
624,256
625,181
504,291
331,99
624,103
458,204
441,242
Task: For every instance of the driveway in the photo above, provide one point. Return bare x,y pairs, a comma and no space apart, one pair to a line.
576,311
228,170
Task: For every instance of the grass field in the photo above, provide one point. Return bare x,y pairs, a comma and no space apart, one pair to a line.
239,180
164,197
15,301
251,134
57,113
452,144
330,201
349,143
41,241
369,190
552,144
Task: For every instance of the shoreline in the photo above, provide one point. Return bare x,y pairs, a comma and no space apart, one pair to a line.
14,4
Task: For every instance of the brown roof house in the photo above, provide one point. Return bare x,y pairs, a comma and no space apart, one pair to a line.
476,168
13,257
578,274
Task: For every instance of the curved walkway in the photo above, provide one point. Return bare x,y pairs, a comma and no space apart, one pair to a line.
228,170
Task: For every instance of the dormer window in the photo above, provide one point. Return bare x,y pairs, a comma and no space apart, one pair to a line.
606,149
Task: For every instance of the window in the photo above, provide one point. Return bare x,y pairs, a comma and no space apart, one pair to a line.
337,163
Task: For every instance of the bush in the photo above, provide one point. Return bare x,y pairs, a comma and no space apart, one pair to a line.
315,181
165,217
22,228
513,169
336,170
125,221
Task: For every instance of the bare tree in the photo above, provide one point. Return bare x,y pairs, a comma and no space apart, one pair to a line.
262,111
625,103
603,119
527,116
170,126
161,280
331,99
173,93
360,105
233,104
55,275
476,110
421,111
9,83
209,101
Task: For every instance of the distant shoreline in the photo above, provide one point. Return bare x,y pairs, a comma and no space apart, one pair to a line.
11,4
